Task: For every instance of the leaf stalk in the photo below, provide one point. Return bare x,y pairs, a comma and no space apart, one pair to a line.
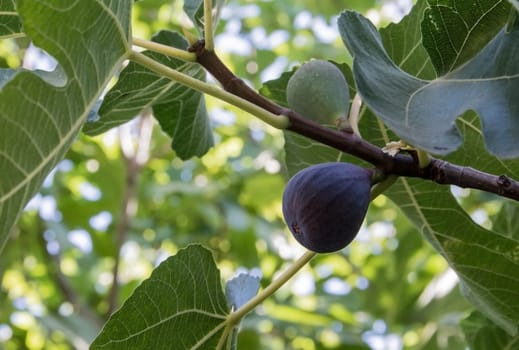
208,25
277,121
286,275
165,49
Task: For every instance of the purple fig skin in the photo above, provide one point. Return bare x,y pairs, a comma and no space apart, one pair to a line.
324,205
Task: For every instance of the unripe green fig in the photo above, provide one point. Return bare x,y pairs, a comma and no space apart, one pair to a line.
324,205
319,91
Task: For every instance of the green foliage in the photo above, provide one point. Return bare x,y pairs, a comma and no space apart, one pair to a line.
119,203
403,44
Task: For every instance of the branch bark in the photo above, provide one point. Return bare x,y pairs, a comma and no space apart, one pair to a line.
403,164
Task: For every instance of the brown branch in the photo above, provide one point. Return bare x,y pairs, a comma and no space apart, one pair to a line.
402,164
135,155
52,263
443,172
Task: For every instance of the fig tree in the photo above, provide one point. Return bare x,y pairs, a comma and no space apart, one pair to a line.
319,91
324,205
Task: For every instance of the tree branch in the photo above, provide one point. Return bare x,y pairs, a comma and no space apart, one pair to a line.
68,293
135,155
403,164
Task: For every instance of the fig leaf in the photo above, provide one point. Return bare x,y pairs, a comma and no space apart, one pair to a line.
423,112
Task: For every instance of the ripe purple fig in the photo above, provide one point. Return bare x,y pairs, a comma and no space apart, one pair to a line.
324,205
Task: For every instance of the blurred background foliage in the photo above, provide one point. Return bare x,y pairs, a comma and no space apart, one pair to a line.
120,203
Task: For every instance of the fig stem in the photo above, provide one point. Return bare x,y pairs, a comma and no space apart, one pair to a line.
286,275
382,186
423,158
354,117
223,339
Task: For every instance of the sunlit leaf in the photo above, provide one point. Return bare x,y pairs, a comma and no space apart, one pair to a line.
454,31
486,262
403,42
38,129
180,110
181,305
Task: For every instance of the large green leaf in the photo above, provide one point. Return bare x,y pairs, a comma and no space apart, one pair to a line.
181,306
455,30
488,84
10,24
486,262
180,110
40,119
